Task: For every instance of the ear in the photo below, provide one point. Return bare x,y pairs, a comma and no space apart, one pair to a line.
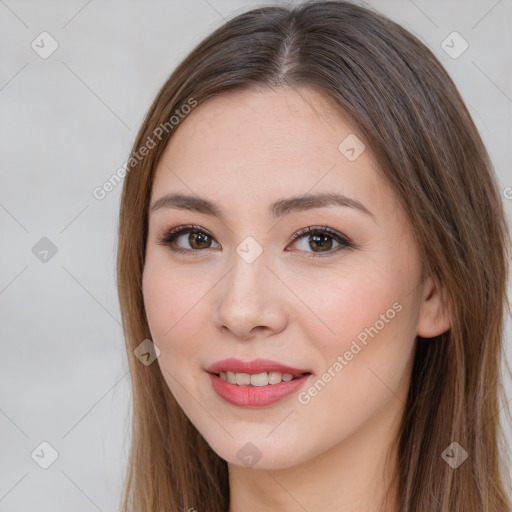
434,316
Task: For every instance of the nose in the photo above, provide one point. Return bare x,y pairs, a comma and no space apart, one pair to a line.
249,301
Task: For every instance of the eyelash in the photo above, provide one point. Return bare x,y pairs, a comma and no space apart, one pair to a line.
170,236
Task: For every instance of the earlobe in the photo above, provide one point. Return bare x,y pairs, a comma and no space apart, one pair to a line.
434,317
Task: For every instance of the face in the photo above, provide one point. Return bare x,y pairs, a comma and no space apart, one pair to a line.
330,289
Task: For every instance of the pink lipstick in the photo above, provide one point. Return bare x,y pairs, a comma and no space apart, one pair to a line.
255,383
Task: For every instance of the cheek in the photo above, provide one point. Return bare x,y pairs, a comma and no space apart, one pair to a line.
175,317
171,300
178,311
367,339
372,297
343,303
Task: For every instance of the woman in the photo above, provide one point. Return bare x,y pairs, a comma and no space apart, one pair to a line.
312,237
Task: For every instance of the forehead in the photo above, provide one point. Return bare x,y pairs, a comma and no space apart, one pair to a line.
260,145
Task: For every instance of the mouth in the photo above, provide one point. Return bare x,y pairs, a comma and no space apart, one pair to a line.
255,383
256,372
256,394
258,379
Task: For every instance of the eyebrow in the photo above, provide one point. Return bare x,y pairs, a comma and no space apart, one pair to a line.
277,209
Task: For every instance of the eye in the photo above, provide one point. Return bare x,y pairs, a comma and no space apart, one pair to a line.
320,239
197,238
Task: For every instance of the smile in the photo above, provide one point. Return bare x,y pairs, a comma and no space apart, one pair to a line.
250,395
256,379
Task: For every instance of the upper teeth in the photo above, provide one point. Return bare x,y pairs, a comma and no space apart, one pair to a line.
255,379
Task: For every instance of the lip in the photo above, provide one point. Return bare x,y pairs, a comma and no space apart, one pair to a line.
255,396
254,366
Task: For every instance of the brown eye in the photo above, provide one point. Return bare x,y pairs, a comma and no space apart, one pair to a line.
199,240
317,240
178,241
320,241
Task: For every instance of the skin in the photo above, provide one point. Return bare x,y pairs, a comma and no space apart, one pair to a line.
244,150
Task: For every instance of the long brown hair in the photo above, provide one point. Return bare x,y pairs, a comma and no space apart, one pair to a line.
410,114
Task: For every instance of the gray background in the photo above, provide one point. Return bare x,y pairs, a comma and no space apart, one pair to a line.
67,124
